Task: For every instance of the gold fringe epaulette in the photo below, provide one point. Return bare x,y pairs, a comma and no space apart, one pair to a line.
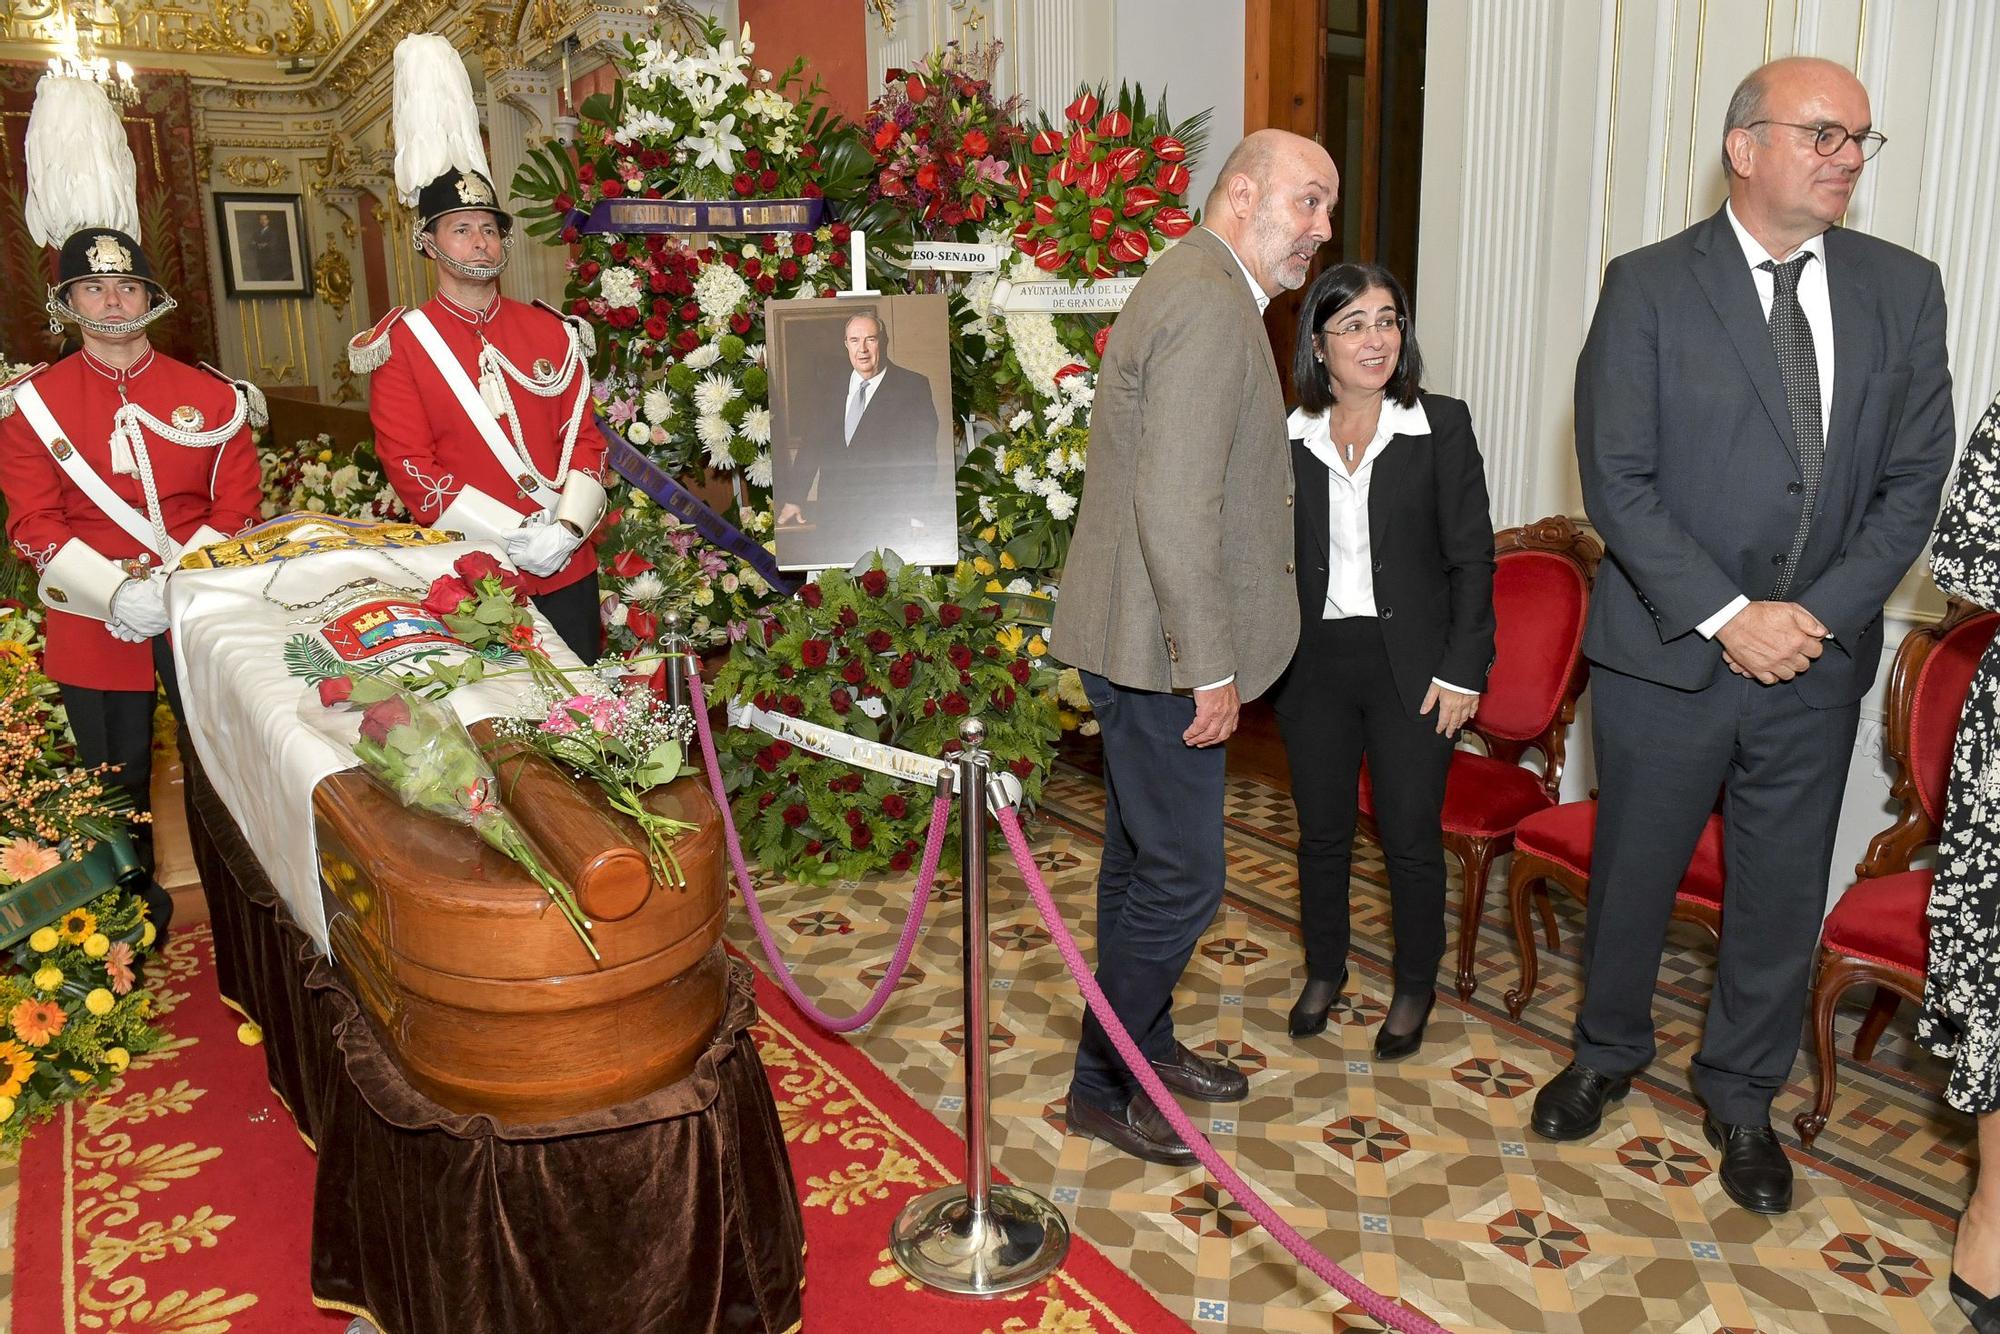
255,406
586,334
7,389
368,351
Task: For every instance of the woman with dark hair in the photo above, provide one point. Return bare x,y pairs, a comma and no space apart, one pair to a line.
1395,578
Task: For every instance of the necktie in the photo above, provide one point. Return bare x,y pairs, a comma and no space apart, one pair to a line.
1798,363
857,403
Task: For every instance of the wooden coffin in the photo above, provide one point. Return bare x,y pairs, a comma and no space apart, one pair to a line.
477,984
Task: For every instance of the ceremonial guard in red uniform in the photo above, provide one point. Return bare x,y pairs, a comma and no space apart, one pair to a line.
116,460
481,404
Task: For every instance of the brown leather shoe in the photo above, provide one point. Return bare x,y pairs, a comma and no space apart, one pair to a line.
1139,1130
1199,1078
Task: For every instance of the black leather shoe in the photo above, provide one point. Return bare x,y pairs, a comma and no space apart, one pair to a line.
1981,1311
1199,1078
1395,1046
1315,1002
1139,1130
1571,1106
1755,1171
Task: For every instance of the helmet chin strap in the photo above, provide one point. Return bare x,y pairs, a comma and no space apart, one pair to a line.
61,313
478,273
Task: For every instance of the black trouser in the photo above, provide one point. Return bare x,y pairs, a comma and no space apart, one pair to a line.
1340,704
1662,755
1160,880
115,727
573,611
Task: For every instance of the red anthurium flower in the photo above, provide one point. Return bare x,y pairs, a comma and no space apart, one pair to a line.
1098,340
1045,210
975,207
1044,143
1079,147
894,185
1104,270
1128,162
1139,198
1128,247
1114,125
1169,149
1173,222
1083,110
629,565
1023,178
917,88
1073,368
1050,257
1024,237
1173,179
643,624
975,143
1098,179
1100,223
1064,172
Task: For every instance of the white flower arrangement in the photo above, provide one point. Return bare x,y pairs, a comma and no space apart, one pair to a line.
619,286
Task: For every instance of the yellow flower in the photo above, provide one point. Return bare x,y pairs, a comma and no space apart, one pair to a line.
988,533
16,1064
1007,561
249,1034
994,585
1011,639
117,1058
77,925
1036,648
6,1109
100,1001
44,940
150,935
97,945
47,978
1067,720
80,1076
326,456
982,565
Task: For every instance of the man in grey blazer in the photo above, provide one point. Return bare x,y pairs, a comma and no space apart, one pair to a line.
1763,424
1178,603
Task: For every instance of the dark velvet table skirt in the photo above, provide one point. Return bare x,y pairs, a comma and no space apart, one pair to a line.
670,1214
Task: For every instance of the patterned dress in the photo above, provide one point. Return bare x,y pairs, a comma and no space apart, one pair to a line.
1961,1016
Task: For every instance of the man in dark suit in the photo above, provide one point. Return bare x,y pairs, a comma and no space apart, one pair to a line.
875,447
1177,602
267,251
1763,424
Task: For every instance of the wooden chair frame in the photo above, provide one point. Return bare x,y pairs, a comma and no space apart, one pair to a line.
1890,852
1560,536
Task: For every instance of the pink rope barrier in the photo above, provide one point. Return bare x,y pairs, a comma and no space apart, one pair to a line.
1350,1287
912,923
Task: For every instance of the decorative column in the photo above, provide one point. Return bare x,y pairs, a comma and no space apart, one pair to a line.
520,113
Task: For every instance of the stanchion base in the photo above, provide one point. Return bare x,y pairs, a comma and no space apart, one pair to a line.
1021,1240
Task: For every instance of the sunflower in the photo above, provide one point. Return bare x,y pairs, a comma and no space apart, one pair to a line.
77,925
17,1062
37,1021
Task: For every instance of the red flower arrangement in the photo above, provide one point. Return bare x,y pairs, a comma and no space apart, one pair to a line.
942,141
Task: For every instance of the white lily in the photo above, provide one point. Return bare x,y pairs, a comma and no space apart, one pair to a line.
716,145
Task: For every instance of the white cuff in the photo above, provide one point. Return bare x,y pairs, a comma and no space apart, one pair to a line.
1440,681
582,502
80,581
479,515
1217,685
1712,627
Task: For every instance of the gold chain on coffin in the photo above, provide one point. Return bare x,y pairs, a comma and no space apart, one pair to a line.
110,1181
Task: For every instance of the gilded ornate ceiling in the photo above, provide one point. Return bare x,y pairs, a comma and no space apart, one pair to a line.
275,28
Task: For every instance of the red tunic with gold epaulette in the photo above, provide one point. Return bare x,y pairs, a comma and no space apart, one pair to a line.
429,448
217,487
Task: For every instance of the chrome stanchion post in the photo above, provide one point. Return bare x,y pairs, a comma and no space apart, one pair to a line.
677,647
977,1239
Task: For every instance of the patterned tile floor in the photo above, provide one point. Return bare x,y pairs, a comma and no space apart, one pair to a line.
1423,1177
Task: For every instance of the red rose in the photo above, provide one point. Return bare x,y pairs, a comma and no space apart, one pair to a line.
900,862
335,690
912,613
765,760
956,704
1046,142
770,633
901,671
960,655
765,799
767,180
886,136
1172,180
586,172
687,341
810,595
657,283
1019,670
752,267
739,323
951,613
879,641
656,329
764,700
643,624
863,838
855,672
563,203
381,716
802,243
841,701
1003,698
786,673
588,270
812,847
848,618
1022,767
1114,125
894,806
1129,247
788,269
927,176
813,652
875,583
951,748
766,284
792,704
613,188
1173,222
741,183
781,749
1139,198
1099,339
474,566
795,814
930,707
1083,110
690,312
580,306
448,593
1100,223
1169,149
974,144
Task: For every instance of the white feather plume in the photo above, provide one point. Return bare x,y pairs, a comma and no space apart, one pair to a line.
80,168
436,120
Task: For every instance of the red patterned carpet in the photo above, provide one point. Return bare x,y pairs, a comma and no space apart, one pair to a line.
177,1204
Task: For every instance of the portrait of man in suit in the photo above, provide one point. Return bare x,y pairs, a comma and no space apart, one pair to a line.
264,245
858,462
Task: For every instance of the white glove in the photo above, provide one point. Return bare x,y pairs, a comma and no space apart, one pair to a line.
139,610
540,547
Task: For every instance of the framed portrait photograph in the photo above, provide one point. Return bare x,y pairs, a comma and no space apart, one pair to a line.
863,453
263,243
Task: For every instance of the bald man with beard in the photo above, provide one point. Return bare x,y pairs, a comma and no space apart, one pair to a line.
1178,601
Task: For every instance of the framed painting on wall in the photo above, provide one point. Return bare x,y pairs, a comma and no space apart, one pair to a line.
263,243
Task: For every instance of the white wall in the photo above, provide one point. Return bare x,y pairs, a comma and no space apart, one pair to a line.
1191,50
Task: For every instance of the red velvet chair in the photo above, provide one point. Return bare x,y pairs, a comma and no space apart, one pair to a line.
1553,847
1878,932
1541,592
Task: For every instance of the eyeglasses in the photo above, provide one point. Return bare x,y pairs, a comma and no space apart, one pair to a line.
1830,139
1386,326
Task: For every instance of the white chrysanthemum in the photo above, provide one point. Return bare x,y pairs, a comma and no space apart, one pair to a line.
1020,586
716,435
1047,487
718,291
619,286
756,354
639,433
659,405
987,510
1061,505
759,471
702,357
1024,478
645,587
713,394
757,427
1020,419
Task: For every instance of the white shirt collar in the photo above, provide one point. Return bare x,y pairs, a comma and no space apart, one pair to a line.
1262,297
854,377
1395,420
1753,250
